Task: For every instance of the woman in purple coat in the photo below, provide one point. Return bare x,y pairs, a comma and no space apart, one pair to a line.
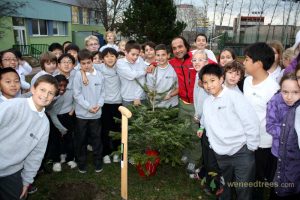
280,124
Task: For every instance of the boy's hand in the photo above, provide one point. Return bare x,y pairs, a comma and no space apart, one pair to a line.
85,80
167,97
151,67
24,192
200,132
137,102
71,112
94,109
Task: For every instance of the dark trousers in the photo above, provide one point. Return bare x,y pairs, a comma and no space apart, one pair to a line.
209,157
239,167
265,169
58,143
81,135
109,113
11,186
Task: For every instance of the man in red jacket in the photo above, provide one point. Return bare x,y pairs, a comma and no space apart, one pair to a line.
186,79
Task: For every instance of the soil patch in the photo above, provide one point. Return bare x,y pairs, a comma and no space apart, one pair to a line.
78,191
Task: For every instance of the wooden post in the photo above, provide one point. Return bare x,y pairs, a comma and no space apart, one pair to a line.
126,114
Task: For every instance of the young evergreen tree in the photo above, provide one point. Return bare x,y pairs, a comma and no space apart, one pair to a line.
152,20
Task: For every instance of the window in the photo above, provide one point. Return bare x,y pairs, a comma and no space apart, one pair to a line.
85,16
39,27
75,15
59,28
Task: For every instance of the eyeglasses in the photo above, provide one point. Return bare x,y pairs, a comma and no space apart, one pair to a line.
93,44
194,60
66,62
10,60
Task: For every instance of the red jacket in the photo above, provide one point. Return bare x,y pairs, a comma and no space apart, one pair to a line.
186,75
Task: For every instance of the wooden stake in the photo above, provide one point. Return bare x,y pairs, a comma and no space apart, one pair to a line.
126,114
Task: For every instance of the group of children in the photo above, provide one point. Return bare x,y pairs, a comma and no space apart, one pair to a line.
247,121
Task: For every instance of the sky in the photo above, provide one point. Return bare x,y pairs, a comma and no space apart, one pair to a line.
255,5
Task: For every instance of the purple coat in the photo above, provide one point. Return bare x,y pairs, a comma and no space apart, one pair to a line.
276,110
288,163
292,66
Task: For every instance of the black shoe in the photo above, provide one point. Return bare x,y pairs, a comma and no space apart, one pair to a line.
82,169
98,167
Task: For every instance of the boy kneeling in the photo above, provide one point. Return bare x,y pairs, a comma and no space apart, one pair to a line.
232,129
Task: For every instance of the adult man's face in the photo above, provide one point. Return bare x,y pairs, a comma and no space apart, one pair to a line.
179,50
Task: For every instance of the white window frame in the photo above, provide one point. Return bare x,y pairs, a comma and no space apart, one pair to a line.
58,30
39,30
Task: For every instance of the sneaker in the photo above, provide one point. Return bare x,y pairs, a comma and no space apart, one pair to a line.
116,158
63,158
191,168
32,189
98,167
106,159
56,167
89,147
131,161
72,164
82,170
196,174
184,159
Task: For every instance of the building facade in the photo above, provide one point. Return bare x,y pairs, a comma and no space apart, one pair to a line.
47,21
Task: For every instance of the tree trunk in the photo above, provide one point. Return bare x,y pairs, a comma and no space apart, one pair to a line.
272,19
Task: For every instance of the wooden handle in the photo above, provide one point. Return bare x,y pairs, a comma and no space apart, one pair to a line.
124,111
124,148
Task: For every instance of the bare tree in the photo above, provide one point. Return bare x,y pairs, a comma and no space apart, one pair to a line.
108,12
231,8
190,15
285,32
296,17
276,5
261,6
9,8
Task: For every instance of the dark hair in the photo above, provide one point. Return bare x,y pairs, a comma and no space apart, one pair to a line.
236,67
8,70
71,46
121,53
68,56
185,43
85,54
54,46
150,44
47,57
131,44
211,69
162,47
109,51
260,51
46,79
289,76
7,51
99,53
231,51
61,78
66,42
201,34
18,53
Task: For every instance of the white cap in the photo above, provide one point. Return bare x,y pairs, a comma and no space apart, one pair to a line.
297,40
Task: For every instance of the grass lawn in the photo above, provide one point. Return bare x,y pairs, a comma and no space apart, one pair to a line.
170,183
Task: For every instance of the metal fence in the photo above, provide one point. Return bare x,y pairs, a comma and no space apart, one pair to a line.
34,50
